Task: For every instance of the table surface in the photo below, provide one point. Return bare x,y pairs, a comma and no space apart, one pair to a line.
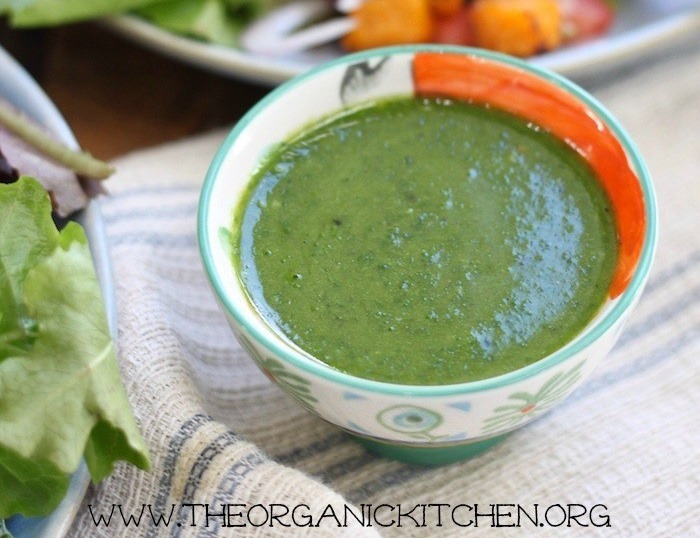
118,96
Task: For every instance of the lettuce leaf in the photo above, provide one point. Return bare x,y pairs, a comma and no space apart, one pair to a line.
61,395
54,12
213,21
207,20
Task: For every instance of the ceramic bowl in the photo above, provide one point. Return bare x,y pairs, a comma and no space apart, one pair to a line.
431,424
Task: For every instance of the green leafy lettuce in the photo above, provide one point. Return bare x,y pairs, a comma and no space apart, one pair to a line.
61,395
208,20
53,12
214,21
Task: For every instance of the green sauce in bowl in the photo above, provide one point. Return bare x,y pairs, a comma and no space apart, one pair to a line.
425,242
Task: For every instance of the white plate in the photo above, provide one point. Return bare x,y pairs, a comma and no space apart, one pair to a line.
21,90
641,26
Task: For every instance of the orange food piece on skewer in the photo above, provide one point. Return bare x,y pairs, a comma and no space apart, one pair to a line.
389,22
517,27
445,8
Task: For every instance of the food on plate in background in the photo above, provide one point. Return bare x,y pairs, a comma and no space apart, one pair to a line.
214,21
518,27
583,19
382,22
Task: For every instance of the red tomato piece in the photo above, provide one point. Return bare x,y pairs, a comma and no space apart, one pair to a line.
585,19
454,29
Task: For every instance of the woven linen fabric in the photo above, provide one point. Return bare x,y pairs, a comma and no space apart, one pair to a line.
220,432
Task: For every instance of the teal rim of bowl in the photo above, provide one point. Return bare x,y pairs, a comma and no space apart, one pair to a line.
314,366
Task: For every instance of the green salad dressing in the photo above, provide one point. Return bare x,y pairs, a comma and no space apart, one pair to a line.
426,242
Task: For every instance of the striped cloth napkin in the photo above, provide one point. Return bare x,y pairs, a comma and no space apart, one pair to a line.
624,448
